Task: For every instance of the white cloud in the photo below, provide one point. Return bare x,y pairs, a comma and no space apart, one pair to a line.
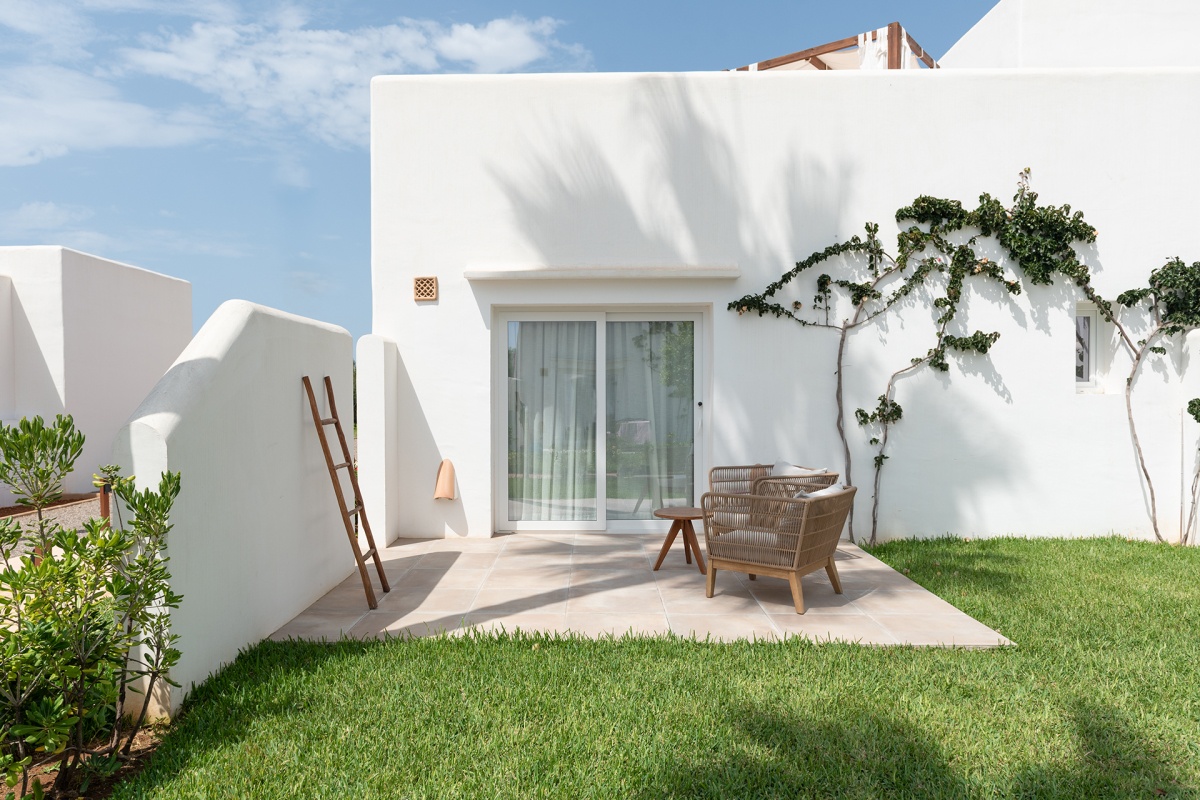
45,222
283,74
48,111
502,45
40,216
67,83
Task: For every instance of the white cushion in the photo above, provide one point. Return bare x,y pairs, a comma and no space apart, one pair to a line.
836,488
782,468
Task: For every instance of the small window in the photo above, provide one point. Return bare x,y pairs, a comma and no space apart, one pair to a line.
1086,321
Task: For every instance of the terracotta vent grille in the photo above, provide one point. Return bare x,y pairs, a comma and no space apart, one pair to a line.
425,289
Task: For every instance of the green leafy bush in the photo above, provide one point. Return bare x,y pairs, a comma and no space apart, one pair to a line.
83,614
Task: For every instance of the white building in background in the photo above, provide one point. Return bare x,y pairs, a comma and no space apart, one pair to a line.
86,336
1080,34
553,256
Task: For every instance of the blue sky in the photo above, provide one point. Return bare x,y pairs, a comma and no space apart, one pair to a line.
225,141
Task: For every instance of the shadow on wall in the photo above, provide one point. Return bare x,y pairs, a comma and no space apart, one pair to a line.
34,392
445,515
576,209
694,204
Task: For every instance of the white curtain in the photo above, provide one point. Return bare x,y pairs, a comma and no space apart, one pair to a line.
649,415
552,421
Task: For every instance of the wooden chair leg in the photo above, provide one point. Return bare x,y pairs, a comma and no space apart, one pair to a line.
710,581
797,592
834,578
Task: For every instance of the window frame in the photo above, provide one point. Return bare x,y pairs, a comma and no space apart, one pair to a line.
1089,384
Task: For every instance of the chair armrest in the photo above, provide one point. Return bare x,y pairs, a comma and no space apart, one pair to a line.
773,485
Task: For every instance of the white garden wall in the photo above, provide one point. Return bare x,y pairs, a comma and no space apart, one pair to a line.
1080,33
257,534
89,337
650,190
7,365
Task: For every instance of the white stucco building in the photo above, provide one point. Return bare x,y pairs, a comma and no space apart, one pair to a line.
85,336
575,359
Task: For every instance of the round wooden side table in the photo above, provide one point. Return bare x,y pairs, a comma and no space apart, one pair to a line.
681,520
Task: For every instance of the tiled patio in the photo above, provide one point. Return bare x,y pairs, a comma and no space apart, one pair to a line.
600,584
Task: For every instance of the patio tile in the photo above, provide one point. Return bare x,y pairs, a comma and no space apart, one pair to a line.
346,598
956,630
630,562
775,596
834,627
446,559
550,536
458,544
724,627
317,626
402,547
882,602
604,585
418,598
598,597
512,601
677,602
684,581
506,561
416,624
546,574
539,622
545,548
446,578
617,625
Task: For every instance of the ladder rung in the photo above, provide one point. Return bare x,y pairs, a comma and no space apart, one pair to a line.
329,421
354,511
343,464
368,554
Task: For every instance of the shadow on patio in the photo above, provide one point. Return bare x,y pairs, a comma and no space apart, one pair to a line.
601,585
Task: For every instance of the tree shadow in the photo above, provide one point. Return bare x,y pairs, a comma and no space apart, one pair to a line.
577,202
1112,759
861,754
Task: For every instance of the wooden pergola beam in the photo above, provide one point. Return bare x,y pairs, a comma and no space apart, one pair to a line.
895,57
805,55
897,37
920,53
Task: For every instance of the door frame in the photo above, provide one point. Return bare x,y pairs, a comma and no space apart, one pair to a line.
500,395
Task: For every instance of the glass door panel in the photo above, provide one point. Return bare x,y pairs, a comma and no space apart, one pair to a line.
552,405
649,417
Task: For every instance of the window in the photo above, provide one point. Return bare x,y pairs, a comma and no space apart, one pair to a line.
1087,320
600,419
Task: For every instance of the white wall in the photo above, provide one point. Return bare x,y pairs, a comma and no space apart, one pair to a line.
379,440
7,364
625,172
257,534
89,337
1081,33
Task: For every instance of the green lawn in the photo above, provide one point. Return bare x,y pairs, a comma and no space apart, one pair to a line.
1100,699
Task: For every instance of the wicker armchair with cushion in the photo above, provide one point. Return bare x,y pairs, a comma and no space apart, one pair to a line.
741,479
776,533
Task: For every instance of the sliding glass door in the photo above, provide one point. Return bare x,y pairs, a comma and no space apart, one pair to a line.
600,419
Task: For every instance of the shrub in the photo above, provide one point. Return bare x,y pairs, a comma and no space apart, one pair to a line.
83,614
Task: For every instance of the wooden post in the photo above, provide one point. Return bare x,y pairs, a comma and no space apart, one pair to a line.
895,56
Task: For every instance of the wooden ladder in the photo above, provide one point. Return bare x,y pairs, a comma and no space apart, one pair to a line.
358,511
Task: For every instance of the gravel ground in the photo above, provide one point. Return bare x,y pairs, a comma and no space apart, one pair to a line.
72,515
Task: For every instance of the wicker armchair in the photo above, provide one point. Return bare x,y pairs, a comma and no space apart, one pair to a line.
775,534
743,478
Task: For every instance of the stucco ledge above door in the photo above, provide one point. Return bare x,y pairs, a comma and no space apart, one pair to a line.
542,272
